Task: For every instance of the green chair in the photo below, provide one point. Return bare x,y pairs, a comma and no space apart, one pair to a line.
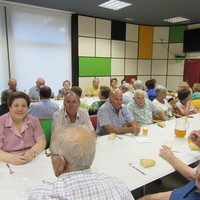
46,126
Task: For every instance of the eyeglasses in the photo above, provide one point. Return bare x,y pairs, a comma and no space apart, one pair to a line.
48,154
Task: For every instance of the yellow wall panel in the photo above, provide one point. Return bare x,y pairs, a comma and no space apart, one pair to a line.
145,42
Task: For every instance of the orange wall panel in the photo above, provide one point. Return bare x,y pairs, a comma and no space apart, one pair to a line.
145,42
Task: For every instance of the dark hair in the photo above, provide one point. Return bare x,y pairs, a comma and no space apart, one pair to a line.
17,95
182,94
5,95
77,90
122,81
67,82
113,79
45,92
150,84
104,91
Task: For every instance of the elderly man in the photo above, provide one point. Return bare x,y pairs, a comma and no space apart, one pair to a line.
34,91
113,117
12,85
143,109
93,91
45,108
71,114
127,94
72,152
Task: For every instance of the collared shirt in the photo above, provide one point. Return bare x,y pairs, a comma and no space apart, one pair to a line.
94,92
43,109
143,115
14,142
34,93
166,107
107,116
83,185
127,97
61,119
62,93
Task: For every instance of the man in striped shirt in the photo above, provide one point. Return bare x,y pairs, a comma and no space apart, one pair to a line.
72,151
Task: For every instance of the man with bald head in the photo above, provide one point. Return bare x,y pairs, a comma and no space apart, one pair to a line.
113,117
12,85
72,151
34,91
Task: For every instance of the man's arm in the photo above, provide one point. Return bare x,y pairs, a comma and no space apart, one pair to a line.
158,196
132,129
162,116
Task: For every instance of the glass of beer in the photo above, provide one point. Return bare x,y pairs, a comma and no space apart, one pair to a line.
181,127
145,130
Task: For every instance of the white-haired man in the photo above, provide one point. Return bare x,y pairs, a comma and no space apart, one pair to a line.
72,152
143,109
94,89
127,94
113,117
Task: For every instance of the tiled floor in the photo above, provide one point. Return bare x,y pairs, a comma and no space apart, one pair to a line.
174,180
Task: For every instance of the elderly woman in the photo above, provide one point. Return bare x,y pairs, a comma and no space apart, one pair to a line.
103,96
196,93
62,92
113,84
184,105
161,101
21,136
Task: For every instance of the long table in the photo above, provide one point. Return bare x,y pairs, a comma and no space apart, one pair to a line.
113,157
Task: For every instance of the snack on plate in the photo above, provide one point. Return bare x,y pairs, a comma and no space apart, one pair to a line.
147,162
161,124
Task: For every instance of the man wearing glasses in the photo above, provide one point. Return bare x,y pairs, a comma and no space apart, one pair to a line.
72,152
71,114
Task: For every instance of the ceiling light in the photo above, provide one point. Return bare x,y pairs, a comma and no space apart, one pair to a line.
176,19
129,19
114,4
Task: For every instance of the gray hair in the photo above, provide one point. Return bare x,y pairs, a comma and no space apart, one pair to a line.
160,89
138,85
77,145
138,92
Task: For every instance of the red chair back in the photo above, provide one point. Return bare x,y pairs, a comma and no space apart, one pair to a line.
93,119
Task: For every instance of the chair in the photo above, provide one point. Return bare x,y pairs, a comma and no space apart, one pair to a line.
46,126
93,119
196,103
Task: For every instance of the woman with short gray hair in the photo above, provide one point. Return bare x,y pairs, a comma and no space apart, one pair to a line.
161,101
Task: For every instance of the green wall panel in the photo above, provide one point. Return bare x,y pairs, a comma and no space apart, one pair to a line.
176,34
94,66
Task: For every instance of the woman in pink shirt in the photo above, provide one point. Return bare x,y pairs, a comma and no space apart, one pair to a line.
184,106
21,135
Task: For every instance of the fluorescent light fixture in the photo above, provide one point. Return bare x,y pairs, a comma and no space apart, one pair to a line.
176,19
114,4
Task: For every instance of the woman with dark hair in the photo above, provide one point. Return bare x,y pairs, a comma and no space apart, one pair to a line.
21,135
150,84
103,96
113,84
4,98
62,92
184,105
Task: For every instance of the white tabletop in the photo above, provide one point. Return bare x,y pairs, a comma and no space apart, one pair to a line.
112,158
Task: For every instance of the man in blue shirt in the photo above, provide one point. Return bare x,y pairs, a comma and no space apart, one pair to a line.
45,108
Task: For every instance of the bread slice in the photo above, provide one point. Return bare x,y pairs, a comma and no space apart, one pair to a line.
147,162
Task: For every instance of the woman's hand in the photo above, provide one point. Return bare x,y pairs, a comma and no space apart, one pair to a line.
29,155
16,159
166,154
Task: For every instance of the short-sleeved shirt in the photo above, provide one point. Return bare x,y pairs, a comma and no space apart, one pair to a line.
61,119
187,192
83,185
34,93
14,142
195,95
143,115
165,107
107,116
43,109
62,93
93,92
